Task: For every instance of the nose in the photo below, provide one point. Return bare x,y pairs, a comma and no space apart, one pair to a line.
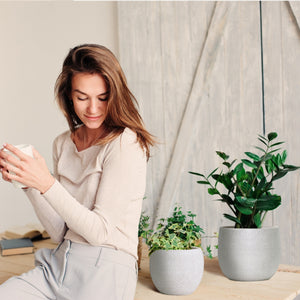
93,105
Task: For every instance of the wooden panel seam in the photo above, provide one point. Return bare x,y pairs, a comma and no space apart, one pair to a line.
202,75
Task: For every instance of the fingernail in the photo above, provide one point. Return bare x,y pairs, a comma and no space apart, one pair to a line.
4,145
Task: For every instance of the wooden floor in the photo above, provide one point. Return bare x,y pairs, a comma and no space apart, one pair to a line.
285,284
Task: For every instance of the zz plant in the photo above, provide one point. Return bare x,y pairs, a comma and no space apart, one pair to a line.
177,232
247,187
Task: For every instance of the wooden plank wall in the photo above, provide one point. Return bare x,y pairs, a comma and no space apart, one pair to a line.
195,68
281,44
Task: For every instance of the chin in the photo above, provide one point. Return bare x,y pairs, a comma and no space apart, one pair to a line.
93,126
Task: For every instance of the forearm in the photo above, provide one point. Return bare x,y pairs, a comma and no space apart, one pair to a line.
92,226
49,218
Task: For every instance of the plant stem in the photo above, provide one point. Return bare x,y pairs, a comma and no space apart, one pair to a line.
237,225
231,208
261,162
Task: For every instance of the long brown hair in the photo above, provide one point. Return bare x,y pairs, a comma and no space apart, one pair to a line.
122,106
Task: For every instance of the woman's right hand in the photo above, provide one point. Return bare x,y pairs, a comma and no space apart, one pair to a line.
31,172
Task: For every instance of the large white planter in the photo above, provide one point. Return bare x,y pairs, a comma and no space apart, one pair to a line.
177,272
249,254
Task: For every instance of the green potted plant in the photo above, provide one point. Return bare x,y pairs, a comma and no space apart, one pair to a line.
247,251
176,258
142,234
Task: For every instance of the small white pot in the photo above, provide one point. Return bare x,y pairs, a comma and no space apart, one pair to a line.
249,254
177,272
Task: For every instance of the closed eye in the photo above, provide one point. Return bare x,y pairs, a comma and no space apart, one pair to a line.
81,99
104,96
101,97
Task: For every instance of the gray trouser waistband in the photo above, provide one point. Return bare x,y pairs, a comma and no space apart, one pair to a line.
97,252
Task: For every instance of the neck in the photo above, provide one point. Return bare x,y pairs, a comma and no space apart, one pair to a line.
85,137
91,135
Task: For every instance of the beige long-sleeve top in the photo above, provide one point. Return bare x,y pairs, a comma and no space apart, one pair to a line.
97,196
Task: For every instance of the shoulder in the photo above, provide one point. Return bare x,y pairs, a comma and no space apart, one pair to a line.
125,142
127,137
60,140
62,137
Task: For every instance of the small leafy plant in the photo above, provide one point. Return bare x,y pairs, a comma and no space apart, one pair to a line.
248,186
175,233
143,226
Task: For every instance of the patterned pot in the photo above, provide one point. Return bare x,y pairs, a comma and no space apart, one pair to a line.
249,254
176,272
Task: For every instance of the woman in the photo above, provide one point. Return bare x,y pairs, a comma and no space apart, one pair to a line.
93,203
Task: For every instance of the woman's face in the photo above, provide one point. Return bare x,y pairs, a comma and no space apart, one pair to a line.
89,95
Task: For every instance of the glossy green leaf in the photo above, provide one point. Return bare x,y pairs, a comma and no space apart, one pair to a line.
221,200
246,202
268,202
212,172
280,174
283,156
257,220
261,174
269,166
276,144
198,174
244,210
272,136
263,142
231,218
275,163
261,149
245,186
231,164
241,174
227,199
250,175
226,181
274,151
268,156
227,164
249,163
291,168
212,191
217,177
278,160
263,137
223,155
253,156
203,182
261,185
238,168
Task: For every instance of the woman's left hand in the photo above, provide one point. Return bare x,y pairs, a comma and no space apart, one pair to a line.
32,172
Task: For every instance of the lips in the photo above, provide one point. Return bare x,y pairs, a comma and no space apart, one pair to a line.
93,118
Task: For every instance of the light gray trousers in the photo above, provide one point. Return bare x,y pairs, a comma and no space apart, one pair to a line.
74,271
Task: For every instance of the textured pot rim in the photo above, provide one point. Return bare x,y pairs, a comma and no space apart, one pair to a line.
178,250
250,229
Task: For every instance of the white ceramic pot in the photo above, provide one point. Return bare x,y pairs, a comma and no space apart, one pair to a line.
249,254
177,272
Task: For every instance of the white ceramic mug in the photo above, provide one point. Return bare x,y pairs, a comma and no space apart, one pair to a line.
27,149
